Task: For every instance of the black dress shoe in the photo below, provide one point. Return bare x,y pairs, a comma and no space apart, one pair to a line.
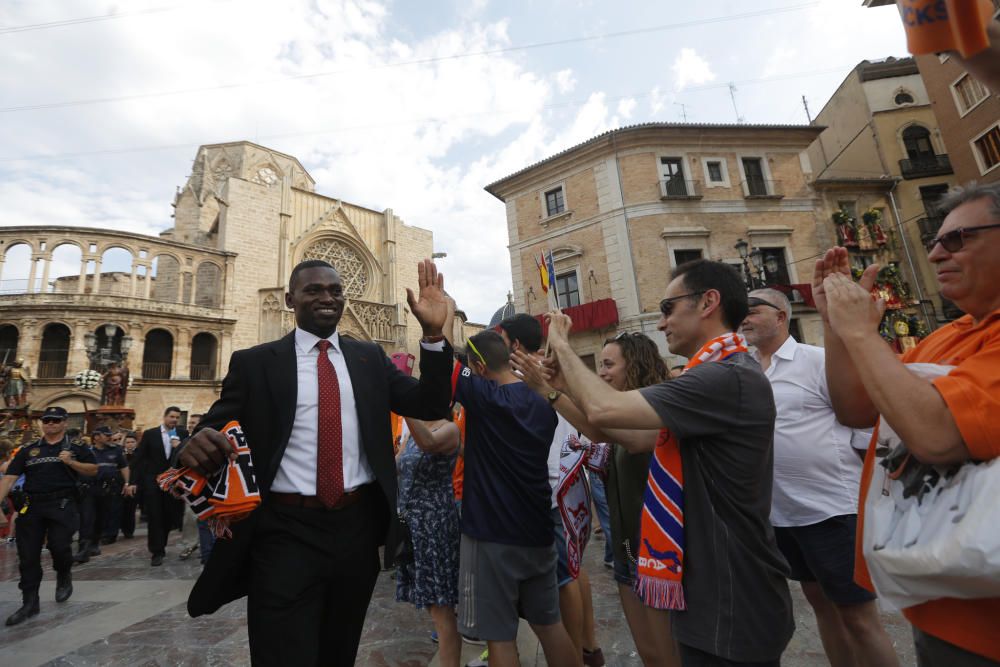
81,557
27,610
64,586
156,560
94,549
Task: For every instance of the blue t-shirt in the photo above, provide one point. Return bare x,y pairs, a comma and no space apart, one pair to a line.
508,432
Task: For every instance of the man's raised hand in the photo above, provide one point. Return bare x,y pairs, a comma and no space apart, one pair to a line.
431,306
207,451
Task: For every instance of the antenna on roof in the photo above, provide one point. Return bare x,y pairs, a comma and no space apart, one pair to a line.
806,105
684,113
732,95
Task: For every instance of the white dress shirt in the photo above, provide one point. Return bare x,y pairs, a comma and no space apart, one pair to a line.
165,436
816,472
297,470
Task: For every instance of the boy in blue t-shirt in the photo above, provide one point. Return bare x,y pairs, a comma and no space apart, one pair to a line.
508,558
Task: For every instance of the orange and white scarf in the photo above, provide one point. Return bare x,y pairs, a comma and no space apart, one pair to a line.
661,549
228,496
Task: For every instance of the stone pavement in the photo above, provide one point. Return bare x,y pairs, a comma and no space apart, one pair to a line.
124,612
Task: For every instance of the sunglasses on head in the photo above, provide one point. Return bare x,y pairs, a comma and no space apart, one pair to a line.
954,240
51,420
667,305
757,301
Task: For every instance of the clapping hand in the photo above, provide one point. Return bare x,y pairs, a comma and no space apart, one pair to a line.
559,326
836,262
851,310
430,307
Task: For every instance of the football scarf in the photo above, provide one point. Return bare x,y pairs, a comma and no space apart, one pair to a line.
573,494
661,549
225,497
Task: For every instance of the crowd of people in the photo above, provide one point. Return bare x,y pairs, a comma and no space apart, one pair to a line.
93,491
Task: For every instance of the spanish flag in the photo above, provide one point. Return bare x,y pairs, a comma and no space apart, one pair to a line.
543,273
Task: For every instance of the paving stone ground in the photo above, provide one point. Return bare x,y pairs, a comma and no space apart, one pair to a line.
125,613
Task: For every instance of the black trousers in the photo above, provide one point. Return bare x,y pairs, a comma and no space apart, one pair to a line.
163,513
312,577
103,508
128,507
692,657
87,511
56,520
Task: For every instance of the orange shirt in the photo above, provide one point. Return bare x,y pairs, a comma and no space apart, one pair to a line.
458,474
972,393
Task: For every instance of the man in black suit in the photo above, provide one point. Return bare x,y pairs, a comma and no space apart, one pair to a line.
152,457
315,411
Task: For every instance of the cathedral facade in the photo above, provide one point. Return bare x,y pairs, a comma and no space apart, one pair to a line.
212,284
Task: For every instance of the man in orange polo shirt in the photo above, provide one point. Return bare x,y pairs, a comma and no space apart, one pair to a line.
950,420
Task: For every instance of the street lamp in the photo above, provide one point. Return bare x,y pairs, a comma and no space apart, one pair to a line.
753,264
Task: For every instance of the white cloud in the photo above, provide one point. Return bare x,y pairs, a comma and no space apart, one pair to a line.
690,68
565,81
626,107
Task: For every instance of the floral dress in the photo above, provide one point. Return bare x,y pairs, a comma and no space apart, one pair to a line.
427,501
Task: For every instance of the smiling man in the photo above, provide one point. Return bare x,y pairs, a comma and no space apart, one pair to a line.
314,407
948,421
707,550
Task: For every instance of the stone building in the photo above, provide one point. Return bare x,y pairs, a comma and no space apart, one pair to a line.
882,139
620,210
212,284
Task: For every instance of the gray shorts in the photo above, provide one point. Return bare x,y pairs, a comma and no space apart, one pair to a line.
498,583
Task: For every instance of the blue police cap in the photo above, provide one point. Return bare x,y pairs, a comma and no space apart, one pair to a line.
55,411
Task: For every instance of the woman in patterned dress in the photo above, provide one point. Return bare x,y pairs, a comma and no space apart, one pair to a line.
427,502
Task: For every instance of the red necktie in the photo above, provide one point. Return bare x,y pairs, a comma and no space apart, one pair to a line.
329,455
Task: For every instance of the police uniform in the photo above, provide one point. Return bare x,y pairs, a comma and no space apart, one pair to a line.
51,508
107,490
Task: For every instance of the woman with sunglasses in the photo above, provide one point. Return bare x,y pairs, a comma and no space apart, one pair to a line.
628,361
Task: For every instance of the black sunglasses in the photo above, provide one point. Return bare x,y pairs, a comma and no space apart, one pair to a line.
667,305
954,240
51,420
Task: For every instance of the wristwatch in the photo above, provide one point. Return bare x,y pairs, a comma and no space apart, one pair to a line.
553,396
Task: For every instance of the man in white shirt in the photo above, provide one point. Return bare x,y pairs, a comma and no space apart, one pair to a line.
816,481
314,407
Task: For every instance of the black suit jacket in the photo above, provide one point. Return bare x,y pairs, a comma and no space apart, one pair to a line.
149,460
260,391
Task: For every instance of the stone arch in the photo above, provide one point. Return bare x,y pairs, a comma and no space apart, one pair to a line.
53,356
204,356
157,354
117,262
903,97
65,261
165,274
10,337
352,262
16,267
208,279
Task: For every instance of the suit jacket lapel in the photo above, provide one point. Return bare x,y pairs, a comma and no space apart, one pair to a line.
282,376
359,367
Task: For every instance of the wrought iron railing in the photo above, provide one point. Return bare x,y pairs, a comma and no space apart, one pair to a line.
202,372
930,165
679,188
156,370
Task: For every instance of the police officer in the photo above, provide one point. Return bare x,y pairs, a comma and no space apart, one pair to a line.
50,466
106,489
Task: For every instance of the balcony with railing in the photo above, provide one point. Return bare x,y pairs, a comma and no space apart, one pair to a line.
761,188
202,372
680,188
156,370
53,364
928,165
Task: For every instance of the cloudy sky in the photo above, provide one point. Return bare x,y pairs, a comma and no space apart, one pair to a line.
410,105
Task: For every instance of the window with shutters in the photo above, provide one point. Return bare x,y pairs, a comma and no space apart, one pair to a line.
969,93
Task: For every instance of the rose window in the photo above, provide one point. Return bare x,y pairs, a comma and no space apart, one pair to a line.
352,269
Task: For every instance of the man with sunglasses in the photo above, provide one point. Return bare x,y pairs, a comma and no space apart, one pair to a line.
948,421
707,559
51,466
815,500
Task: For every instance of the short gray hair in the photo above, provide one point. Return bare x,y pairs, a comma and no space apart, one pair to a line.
775,298
970,193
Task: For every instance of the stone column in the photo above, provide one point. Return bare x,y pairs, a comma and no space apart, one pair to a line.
45,272
137,353
31,274
134,280
97,275
83,274
182,356
193,298
29,345
78,360
149,280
